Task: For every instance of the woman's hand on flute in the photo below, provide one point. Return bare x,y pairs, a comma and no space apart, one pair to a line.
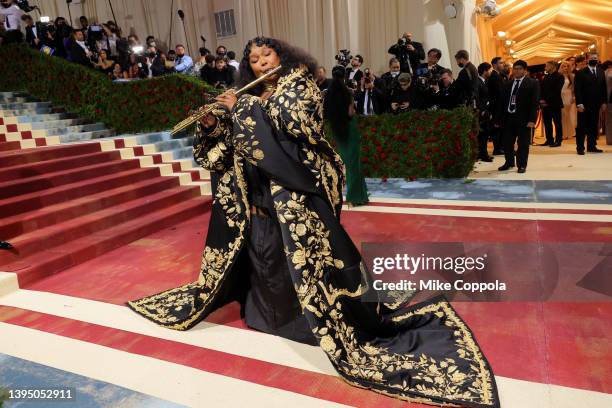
227,99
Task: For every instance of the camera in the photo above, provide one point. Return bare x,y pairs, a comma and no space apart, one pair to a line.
45,29
404,41
344,57
24,5
426,78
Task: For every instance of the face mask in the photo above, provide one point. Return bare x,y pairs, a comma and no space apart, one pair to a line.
461,65
394,74
592,63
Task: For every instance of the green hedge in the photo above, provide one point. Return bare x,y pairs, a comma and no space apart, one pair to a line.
135,106
420,144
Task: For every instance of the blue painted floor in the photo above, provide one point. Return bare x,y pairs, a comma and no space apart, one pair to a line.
588,192
16,373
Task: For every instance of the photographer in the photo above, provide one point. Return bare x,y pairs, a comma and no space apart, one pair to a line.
111,36
370,100
221,76
11,27
444,96
430,69
155,63
405,97
388,80
408,52
354,73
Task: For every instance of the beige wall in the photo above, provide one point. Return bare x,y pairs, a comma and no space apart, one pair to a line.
366,27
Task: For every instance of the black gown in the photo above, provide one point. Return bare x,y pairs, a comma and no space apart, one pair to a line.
422,353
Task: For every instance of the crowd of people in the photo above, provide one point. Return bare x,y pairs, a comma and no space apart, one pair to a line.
104,47
571,96
508,98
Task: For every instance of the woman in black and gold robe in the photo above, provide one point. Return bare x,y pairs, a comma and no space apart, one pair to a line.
276,245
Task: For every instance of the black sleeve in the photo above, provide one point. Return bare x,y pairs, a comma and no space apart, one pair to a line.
578,88
419,50
535,98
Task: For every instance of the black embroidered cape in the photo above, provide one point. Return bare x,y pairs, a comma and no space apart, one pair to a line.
423,353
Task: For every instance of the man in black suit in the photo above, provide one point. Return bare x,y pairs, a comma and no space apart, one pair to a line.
466,85
590,90
354,72
370,100
552,104
431,68
79,52
517,114
408,52
484,112
31,32
495,86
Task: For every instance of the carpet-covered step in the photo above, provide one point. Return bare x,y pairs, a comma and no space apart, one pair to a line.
28,143
48,153
64,232
23,105
35,118
51,261
44,216
61,177
43,125
163,148
39,199
50,166
26,111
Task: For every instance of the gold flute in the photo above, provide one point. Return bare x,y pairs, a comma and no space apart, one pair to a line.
206,109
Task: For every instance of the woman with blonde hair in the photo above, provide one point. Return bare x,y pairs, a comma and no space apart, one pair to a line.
568,114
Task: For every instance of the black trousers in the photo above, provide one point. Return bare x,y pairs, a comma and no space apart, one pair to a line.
271,304
588,124
496,138
550,115
513,130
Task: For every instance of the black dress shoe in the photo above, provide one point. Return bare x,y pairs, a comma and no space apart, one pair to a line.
555,145
581,152
486,159
521,170
595,150
498,152
506,166
546,144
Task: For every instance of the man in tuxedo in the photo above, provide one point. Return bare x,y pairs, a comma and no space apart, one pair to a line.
484,112
444,96
431,67
466,84
517,113
79,52
354,72
31,32
408,52
495,86
369,99
590,90
552,104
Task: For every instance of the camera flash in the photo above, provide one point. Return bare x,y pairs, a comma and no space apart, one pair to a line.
44,19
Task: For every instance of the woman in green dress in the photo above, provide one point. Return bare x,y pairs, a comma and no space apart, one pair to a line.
339,112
